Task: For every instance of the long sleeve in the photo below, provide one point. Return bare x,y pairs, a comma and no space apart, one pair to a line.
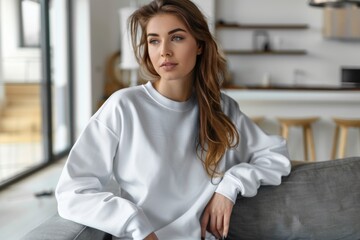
81,193
259,159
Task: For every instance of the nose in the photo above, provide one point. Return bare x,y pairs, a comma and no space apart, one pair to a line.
166,50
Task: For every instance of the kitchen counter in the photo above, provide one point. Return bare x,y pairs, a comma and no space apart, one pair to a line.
260,94
279,101
292,87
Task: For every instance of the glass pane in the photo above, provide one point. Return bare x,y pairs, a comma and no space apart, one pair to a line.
30,22
59,76
21,142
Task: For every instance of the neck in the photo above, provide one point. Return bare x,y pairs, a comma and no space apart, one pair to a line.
179,91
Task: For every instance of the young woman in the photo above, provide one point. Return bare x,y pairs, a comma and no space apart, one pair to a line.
179,150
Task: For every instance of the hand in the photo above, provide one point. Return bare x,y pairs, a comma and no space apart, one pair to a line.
216,216
151,236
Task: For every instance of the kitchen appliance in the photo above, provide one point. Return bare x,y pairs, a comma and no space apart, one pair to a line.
350,77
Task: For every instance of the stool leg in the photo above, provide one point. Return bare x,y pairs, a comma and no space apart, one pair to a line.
343,137
284,131
310,140
305,142
335,143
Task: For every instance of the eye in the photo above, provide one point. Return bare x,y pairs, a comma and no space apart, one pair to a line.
177,38
153,41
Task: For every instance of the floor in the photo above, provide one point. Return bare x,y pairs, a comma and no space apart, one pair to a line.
21,210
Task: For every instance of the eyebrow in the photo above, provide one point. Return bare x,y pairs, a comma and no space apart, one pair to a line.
169,33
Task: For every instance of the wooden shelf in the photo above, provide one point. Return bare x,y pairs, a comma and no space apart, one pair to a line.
252,52
263,26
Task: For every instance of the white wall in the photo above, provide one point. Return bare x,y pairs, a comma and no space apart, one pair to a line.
105,40
82,63
208,9
2,92
96,37
59,46
321,65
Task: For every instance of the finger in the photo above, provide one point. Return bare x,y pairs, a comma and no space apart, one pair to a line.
213,226
226,225
219,226
204,223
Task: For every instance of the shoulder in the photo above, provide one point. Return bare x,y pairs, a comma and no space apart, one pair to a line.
228,104
130,95
120,107
120,100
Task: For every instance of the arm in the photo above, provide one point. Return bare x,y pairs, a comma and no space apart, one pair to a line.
258,160
80,192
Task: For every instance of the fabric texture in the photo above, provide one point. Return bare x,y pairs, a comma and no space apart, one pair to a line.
147,143
316,201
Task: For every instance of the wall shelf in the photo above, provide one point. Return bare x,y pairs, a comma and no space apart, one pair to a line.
277,52
263,26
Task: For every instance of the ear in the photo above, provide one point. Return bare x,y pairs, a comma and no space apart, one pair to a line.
200,49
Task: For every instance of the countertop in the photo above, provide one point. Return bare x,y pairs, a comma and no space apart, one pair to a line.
294,87
283,93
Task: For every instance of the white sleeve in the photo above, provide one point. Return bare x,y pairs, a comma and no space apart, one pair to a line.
80,191
259,159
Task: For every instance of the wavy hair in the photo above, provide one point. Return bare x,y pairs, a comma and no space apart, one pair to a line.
217,133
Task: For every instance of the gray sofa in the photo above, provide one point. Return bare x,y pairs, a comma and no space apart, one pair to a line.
318,200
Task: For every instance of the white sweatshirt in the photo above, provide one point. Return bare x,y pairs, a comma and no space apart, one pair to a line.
147,143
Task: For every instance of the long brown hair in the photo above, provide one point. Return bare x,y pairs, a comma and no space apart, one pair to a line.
216,131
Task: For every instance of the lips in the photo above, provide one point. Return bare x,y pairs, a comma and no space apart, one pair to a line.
168,65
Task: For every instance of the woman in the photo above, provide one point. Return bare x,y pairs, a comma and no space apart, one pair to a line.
179,150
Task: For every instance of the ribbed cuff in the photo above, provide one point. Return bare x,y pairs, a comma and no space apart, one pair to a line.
228,188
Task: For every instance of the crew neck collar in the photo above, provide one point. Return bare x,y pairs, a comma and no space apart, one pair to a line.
166,102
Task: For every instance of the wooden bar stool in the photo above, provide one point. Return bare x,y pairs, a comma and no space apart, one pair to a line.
257,119
308,138
341,134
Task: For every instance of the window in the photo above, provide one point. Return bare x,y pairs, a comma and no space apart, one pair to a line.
36,119
30,23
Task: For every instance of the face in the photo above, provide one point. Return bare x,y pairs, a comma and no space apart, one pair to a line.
172,49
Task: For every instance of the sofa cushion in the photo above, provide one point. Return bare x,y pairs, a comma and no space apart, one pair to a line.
58,228
316,201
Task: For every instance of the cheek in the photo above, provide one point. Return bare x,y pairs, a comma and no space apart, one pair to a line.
191,56
153,58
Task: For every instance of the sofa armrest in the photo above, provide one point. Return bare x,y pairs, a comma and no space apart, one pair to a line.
318,200
58,228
